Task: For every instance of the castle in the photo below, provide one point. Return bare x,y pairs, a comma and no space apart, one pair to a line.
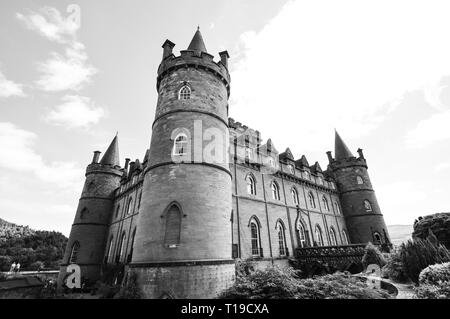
208,191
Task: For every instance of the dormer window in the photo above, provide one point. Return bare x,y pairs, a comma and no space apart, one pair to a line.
184,93
291,169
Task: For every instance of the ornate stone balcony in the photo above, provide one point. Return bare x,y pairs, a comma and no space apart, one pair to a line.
349,253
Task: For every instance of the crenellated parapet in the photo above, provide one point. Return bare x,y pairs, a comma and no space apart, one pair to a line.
193,59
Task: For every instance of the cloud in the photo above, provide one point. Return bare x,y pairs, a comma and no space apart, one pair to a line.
50,24
9,88
442,166
68,71
75,112
345,64
429,131
19,155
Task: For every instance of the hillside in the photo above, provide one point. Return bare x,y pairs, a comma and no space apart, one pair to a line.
33,249
400,233
10,230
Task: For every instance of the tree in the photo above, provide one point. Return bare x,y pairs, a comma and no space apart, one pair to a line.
373,256
438,224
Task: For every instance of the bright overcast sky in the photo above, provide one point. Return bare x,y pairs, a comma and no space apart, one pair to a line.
377,71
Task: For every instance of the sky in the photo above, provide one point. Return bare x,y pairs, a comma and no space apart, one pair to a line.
72,74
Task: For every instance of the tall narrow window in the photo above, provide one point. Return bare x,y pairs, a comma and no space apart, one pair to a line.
130,206
74,252
301,234
345,237
130,255
338,211
109,251
319,237
359,180
180,144
367,206
248,153
312,202
139,201
325,203
294,194
333,237
281,240
275,191
254,229
117,211
185,93
121,248
173,227
251,185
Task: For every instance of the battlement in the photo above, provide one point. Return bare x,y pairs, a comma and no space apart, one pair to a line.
197,60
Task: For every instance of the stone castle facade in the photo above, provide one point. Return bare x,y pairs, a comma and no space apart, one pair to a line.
179,218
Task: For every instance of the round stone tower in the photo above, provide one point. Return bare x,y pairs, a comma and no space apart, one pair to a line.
87,240
183,239
364,220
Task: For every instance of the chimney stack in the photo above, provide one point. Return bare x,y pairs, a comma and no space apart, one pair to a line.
96,157
167,46
224,56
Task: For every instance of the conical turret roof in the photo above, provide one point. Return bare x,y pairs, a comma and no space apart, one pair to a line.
341,151
111,156
197,43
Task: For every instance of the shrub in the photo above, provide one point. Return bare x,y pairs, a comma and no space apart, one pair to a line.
419,254
3,276
37,265
394,268
434,274
272,283
131,289
244,267
373,256
439,291
277,283
338,286
439,224
5,263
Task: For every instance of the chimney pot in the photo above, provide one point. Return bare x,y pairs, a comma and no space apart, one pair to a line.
96,157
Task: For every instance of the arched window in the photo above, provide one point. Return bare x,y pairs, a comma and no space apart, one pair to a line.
377,238
345,237
281,239
319,237
121,250
139,201
333,237
254,232
130,255
74,252
184,93
294,194
325,203
129,206
117,211
367,206
301,234
251,185
336,206
275,191
109,251
359,180
83,213
180,144
173,227
312,202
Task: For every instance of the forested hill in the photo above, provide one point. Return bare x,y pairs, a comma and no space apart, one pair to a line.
10,230
33,249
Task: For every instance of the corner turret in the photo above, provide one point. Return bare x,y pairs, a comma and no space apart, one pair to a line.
365,223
